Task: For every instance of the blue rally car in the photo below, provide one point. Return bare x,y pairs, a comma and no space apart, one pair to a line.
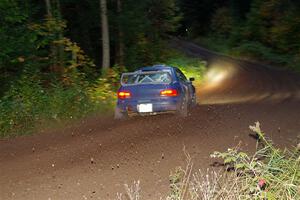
154,90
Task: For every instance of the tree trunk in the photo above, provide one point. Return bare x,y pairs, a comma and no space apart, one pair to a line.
48,8
105,36
120,50
53,49
60,36
57,51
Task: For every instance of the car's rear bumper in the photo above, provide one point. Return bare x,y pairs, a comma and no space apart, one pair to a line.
158,105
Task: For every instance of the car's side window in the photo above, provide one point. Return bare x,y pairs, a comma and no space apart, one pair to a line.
180,75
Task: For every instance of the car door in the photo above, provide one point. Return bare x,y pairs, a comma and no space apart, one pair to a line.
187,86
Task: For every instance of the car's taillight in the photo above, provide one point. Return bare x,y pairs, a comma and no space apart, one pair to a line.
169,93
124,94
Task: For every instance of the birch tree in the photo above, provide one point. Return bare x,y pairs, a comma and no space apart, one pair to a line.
48,8
120,51
105,36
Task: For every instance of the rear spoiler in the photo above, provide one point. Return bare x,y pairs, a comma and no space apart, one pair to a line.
141,73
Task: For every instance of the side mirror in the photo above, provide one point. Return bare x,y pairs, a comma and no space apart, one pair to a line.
192,79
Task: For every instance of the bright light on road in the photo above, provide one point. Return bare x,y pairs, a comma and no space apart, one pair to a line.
217,74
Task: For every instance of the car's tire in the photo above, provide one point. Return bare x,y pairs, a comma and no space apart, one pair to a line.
119,115
183,110
194,100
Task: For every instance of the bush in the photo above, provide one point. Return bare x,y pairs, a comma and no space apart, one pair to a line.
222,22
53,84
191,67
28,104
257,51
268,174
103,92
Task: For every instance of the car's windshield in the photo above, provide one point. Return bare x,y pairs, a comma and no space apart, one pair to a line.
159,77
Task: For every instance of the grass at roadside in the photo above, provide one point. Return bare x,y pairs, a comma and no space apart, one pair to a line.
270,174
29,104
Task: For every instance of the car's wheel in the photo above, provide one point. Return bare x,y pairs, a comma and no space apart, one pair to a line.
183,110
119,114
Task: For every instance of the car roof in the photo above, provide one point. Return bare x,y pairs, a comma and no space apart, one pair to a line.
155,68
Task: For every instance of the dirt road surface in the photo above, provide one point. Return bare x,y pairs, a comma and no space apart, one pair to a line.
94,158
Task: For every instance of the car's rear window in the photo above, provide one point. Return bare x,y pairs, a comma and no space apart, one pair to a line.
151,77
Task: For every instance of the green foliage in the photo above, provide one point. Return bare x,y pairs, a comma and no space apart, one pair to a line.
164,16
176,178
144,24
47,31
222,22
28,104
198,14
256,50
16,41
267,31
191,67
268,36
46,74
76,62
275,25
278,31
103,91
62,55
